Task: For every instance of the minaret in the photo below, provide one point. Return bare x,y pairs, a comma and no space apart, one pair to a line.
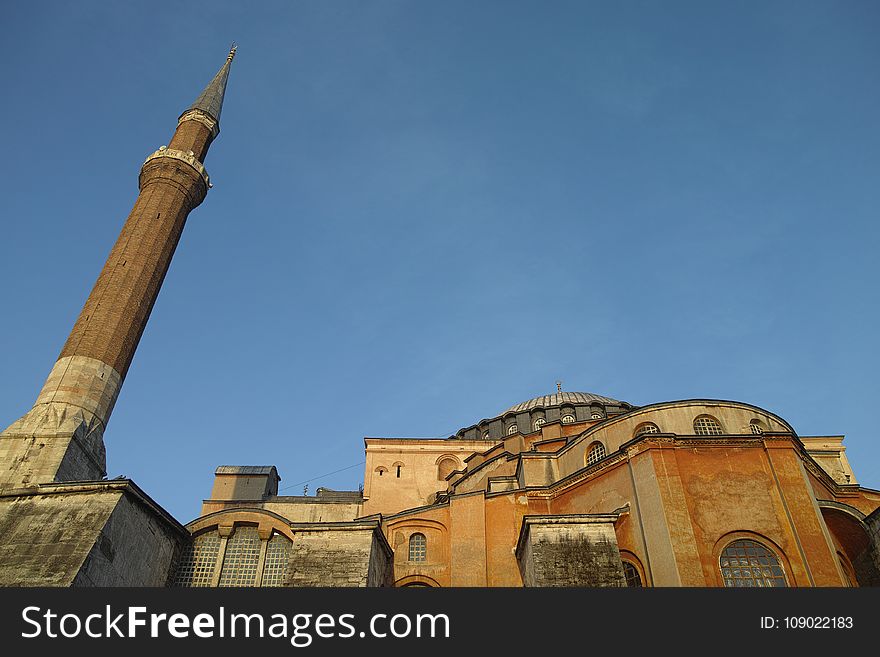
61,438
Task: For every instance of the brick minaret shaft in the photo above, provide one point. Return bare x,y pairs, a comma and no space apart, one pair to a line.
61,437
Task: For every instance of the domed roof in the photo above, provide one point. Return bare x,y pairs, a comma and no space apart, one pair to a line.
560,398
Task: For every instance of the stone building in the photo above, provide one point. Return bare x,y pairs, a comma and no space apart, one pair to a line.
568,489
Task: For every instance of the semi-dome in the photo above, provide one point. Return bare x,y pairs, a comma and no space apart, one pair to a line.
561,398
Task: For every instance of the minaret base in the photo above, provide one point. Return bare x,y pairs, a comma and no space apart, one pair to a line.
53,442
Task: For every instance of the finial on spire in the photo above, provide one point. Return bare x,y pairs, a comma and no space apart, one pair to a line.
232,50
559,386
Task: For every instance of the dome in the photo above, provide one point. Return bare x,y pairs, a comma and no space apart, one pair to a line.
560,398
584,406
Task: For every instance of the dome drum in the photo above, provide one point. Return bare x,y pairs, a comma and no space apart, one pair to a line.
529,415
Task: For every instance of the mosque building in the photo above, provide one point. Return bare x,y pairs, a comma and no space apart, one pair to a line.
567,489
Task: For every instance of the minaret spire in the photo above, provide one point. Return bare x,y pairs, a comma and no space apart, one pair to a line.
210,101
61,437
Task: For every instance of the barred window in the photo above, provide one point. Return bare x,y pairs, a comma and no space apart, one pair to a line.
277,559
748,563
512,430
647,427
706,425
418,547
242,558
756,427
198,561
595,415
631,574
539,423
567,419
596,453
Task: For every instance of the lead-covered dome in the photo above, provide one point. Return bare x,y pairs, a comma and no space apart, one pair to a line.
561,398
530,415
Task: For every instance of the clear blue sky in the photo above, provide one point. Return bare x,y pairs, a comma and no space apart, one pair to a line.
424,213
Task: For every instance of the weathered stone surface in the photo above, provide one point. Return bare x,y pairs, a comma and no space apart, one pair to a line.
868,563
352,554
94,534
576,550
52,442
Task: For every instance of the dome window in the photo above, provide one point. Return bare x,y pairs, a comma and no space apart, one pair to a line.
706,425
647,427
539,423
756,427
568,419
512,430
596,453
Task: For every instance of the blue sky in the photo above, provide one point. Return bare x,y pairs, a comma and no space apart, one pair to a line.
424,213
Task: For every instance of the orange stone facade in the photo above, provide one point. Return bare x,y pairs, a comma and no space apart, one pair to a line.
691,493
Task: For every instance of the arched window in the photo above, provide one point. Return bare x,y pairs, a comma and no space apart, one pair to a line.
242,558
418,547
706,425
199,565
631,574
445,467
745,562
512,430
485,435
647,427
756,426
567,419
381,470
596,414
198,561
539,422
596,453
277,558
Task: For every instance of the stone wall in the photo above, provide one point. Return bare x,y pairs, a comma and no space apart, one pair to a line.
352,554
94,534
868,563
573,550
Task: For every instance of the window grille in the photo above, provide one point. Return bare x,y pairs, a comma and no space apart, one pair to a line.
746,563
418,548
596,453
706,425
631,573
242,558
277,559
198,561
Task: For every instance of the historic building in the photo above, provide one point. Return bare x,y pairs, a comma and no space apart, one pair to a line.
568,489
